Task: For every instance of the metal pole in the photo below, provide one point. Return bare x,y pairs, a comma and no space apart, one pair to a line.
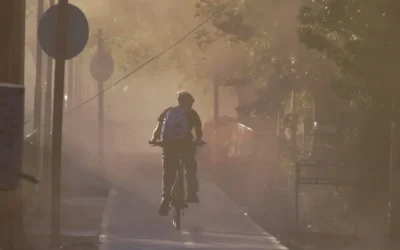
216,115
56,159
392,182
296,190
47,122
294,129
278,137
313,110
395,184
48,110
37,120
77,89
216,104
295,167
101,126
70,86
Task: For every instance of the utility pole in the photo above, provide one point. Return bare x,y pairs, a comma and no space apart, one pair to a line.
12,54
37,119
58,104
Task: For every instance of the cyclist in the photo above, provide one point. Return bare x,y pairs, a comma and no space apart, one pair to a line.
183,148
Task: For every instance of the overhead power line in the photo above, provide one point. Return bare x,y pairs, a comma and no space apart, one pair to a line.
216,13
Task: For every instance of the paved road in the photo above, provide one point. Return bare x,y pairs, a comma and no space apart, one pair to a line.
131,221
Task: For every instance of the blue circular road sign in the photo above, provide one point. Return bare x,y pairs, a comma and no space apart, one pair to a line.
77,36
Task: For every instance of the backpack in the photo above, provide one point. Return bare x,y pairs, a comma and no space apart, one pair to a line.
175,125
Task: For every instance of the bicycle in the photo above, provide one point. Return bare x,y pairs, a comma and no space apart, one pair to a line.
178,203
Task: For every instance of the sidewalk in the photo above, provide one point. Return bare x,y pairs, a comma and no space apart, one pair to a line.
132,220
82,205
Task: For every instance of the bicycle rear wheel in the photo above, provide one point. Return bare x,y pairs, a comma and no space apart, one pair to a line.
178,202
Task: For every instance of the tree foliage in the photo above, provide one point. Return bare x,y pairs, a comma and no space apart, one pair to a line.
135,31
362,39
275,60
126,26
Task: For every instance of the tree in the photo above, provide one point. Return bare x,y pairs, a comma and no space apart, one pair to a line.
361,38
133,29
274,61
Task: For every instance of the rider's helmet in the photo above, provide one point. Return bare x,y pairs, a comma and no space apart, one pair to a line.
185,97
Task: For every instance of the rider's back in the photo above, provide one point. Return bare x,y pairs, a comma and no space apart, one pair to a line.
178,124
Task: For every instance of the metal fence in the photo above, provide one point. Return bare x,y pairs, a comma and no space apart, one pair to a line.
315,180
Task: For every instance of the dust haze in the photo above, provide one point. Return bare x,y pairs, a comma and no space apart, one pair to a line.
301,101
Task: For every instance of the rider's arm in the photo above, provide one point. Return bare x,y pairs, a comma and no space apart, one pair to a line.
157,131
198,127
199,132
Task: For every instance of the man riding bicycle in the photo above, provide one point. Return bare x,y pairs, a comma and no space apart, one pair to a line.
175,125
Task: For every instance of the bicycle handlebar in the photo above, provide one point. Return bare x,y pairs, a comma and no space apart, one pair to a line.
28,177
162,143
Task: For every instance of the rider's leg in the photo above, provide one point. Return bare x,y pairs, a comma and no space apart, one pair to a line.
170,161
191,176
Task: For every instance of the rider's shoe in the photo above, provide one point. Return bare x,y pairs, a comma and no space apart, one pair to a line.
192,198
164,206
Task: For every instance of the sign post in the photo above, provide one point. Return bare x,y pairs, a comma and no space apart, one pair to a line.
101,68
48,108
58,101
48,98
37,121
63,33
78,87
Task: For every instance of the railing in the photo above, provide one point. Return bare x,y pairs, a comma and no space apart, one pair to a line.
314,173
